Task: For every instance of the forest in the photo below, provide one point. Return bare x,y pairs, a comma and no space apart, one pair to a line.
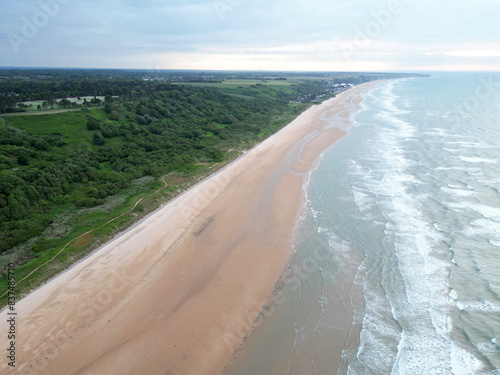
147,126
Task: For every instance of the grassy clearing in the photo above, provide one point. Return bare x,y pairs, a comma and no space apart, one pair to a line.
233,83
78,100
71,126
268,82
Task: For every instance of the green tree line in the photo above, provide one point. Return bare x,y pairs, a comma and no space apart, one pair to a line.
170,130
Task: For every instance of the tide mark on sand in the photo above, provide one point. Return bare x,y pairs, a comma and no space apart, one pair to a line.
204,226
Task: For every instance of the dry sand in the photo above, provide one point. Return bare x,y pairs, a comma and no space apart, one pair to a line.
176,293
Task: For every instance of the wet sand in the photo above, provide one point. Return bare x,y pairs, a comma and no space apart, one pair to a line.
176,293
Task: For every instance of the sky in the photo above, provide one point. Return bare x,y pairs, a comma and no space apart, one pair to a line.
283,35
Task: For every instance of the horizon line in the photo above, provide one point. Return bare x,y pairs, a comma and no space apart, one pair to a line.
255,71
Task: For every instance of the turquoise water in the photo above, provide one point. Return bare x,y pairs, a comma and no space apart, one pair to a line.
396,265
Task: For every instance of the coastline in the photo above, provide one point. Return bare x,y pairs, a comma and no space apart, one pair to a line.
257,344
180,289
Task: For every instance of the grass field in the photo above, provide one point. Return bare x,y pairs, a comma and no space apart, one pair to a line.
78,100
69,125
234,83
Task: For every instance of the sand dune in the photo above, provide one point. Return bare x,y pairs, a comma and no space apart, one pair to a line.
176,293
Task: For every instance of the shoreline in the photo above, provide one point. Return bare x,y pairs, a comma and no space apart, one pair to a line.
177,290
277,297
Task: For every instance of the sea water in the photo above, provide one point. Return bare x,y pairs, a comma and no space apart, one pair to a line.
396,264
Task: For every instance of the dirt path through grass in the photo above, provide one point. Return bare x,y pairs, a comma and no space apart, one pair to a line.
85,234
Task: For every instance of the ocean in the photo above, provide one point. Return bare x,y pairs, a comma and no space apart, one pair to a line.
396,264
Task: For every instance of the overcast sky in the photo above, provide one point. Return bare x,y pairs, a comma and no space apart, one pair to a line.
327,35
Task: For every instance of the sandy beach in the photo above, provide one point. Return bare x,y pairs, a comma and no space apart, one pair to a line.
176,293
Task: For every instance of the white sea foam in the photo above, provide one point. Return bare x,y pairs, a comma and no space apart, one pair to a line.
364,201
481,226
425,321
469,170
459,192
423,299
376,350
463,362
440,132
453,294
488,347
474,159
481,306
494,243
437,227
417,356
475,145
413,238
341,250
487,212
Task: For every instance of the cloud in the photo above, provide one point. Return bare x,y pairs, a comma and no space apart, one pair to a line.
245,34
